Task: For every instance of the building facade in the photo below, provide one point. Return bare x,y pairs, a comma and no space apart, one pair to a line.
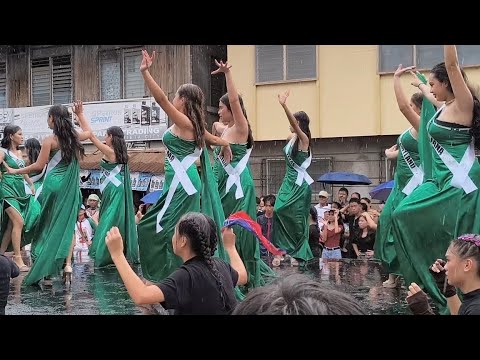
347,91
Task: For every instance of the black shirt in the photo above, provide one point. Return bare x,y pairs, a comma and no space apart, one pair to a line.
192,289
470,304
8,269
266,226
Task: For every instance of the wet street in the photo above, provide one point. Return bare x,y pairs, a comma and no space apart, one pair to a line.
101,291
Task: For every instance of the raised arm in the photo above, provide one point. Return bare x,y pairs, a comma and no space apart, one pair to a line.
178,118
228,238
85,125
463,96
392,153
282,99
402,100
38,165
138,291
425,89
241,123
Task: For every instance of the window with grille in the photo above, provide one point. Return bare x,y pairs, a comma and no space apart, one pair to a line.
285,62
3,85
120,76
52,80
423,56
275,172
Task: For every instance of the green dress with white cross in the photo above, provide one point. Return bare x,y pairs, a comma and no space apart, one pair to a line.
440,209
117,210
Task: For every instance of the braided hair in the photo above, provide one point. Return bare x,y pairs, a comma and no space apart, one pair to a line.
201,232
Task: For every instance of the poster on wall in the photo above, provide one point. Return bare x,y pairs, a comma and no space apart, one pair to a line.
156,183
90,179
140,119
140,181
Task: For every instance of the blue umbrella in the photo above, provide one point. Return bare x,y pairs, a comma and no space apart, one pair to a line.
345,178
382,191
152,197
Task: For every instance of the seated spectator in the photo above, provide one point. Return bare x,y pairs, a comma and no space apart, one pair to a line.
297,294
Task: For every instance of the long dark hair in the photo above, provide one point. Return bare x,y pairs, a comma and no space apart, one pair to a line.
33,148
118,143
194,104
224,100
7,133
201,232
314,216
67,136
440,72
304,123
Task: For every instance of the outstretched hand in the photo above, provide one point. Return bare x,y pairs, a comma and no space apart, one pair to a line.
77,107
147,60
401,70
228,237
222,67
114,241
282,98
9,169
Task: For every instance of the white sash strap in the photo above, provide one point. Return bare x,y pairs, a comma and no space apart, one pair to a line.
38,176
180,177
20,162
417,172
460,170
111,177
302,169
234,174
51,165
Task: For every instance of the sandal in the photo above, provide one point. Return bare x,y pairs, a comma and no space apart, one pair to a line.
22,268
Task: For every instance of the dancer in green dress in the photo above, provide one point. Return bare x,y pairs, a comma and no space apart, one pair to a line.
14,201
184,142
235,181
445,206
61,197
292,206
408,171
117,196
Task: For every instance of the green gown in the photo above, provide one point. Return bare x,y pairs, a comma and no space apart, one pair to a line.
292,207
61,200
440,209
242,199
116,210
155,237
408,162
12,193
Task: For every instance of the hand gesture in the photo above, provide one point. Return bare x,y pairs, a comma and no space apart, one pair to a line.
226,154
417,301
282,98
401,70
77,108
228,237
415,81
147,60
9,169
114,241
391,150
222,67
439,275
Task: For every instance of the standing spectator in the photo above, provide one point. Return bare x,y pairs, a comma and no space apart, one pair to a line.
322,206
265,220
331,235
93,209
314,235
343,196
83,237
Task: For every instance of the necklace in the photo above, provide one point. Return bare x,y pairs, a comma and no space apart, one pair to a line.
449,101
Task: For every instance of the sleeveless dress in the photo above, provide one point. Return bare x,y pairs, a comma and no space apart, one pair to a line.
156,229
241,197
408,163
292,207
440,209
61,201
13,193
116,210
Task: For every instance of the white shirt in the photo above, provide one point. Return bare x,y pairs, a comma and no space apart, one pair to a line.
321,213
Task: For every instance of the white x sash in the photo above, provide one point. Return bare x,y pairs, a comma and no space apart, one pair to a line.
51,165
417,172
302,169
234,173
111,177
460,170
20,162
180,177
